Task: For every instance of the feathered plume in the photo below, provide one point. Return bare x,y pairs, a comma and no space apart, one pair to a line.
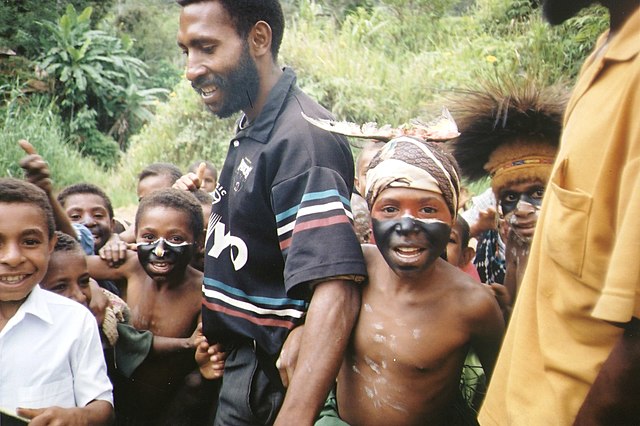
440,129
497,113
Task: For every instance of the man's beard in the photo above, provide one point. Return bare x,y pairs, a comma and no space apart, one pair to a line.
239,86
558,11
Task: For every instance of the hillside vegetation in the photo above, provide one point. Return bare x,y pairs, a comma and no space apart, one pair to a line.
384,61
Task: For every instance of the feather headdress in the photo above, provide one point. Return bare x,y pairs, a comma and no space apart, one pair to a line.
508,130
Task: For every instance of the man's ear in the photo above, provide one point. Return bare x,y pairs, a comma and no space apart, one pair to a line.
468,253
260,39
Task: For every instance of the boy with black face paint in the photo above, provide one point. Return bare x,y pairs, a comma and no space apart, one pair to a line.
510,133
164,295
419,314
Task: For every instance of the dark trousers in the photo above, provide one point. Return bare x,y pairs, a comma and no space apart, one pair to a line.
250,393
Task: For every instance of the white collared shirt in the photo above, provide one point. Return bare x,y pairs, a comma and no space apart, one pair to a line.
50,354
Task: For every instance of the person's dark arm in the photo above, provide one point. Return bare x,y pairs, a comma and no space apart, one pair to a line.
37,172
614,395
332,313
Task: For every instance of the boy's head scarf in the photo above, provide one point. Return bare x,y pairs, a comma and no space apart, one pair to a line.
405,162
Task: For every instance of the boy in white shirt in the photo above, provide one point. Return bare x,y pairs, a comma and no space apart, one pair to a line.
51,363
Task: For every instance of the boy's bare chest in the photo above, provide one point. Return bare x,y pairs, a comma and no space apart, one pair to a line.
423,338
164,312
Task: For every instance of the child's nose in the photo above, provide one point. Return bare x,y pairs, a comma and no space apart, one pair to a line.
88,220
78,295
524,208
159,250
406,225
10,254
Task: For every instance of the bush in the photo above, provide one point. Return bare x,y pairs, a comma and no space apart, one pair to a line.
35,119
182,132
19,29
96,82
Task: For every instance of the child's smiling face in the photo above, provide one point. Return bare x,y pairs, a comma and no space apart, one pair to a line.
165,242
91,211
25,248
68,276
411,227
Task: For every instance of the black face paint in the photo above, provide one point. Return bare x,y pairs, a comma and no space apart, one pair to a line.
434,235
179,255
510,199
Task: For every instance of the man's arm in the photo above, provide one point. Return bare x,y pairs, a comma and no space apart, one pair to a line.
331,316
614,395
96,413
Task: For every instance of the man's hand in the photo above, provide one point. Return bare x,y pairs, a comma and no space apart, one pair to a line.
36,170
191,181
288,358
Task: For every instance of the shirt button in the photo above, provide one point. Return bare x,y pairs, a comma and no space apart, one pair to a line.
236,143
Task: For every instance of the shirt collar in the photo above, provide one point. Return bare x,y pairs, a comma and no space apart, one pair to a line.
626,44
264,122
36,305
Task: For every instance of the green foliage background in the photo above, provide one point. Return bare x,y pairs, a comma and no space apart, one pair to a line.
385,61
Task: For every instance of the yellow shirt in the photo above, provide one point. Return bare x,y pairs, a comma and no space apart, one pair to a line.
584,266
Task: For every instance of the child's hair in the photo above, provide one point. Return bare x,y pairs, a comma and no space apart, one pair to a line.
66,242
194,167
18,191
161,169
85,188
465,232
179,200
203,196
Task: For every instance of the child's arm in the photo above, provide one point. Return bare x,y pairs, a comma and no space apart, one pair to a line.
37,172
114,251
95,413
100,269
210,358
487,328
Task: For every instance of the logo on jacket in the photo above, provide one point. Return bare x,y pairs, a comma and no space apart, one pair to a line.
242,174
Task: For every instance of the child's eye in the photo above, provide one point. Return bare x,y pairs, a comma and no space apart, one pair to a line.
31,242
209,49
389,209
176,240
510,198
538,194
74,216
429,210
149,237
84,281
58,288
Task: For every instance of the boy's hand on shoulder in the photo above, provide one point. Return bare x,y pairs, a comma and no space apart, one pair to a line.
114,252
35,167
